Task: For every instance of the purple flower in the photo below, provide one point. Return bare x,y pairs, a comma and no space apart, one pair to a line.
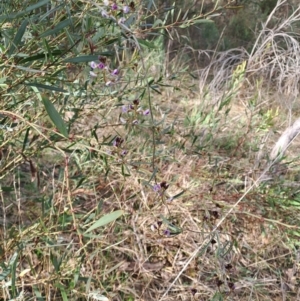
114,6
93,65
121,20
125,109
126,9
115,72
169,200
104,14
101,66
123,120
161,187
146,112
167,232
157,187
118,141
124,152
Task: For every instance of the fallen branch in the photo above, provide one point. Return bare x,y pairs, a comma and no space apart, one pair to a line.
285,140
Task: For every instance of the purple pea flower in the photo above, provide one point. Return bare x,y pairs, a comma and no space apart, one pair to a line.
115,72
167,232
146,112
121,20
114,6
124,152
125,109
157,188
101,66
104,13
122,120
93,65
126,9
118,141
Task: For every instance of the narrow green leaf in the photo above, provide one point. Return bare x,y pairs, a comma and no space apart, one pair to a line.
28,9
18,37
25,142
41,56
51,12
46,87
55,117
106,219
35,6
178,195
82,59
202,21
57,28
62,291
37,293
28,69
48,50
146,43
13,268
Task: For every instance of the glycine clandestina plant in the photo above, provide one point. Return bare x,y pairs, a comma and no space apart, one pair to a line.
74,79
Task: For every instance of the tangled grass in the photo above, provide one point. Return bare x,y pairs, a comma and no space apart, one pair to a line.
121,183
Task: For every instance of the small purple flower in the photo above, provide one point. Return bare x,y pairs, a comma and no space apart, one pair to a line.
115,72
124,152
122,120
121,20
125,109
101,66
114,6
126,9
118,142
169,200
146,112
157,187
104,14
167,232
93,65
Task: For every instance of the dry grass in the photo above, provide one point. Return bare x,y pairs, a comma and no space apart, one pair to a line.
246,242
224,224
